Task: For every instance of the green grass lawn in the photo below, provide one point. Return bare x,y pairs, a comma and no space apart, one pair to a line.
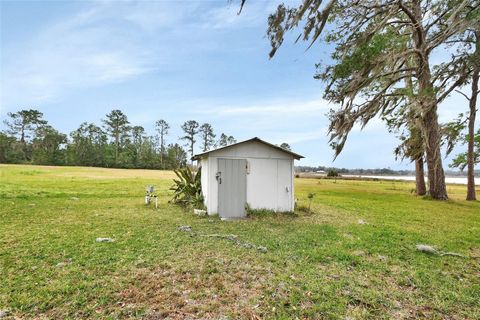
323,265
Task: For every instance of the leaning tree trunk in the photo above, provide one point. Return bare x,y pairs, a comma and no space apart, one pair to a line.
471,132
421,189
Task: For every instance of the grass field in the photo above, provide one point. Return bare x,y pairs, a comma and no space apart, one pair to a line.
323,265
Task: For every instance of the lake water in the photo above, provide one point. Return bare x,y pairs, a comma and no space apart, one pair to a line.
456,180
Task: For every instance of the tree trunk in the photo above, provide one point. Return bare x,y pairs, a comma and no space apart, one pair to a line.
436,177
191,149
22,135
117,139
416,149
162,150
428,103
116,152
471,129
421,189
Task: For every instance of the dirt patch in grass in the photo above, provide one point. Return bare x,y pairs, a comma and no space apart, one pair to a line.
209,288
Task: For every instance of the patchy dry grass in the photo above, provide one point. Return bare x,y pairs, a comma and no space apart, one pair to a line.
213,286
321,265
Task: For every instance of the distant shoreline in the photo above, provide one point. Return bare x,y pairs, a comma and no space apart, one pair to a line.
448,179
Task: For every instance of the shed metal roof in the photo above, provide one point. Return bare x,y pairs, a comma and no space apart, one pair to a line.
295,155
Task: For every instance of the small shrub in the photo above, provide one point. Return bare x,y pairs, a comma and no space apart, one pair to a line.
310,197
187,190
332,173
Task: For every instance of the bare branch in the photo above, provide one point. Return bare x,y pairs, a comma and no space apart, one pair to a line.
242,3
463,94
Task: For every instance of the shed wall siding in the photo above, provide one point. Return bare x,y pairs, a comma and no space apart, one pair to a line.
284,186
262,184
269,176
266,184
204,180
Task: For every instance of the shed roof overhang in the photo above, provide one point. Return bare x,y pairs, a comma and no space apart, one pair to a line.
205,154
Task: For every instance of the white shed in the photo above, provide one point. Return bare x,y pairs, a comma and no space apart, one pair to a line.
252,172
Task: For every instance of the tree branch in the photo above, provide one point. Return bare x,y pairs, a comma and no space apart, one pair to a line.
457,83
463,94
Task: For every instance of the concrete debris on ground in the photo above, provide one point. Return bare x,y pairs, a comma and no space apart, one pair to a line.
74,198
64,263
432,250
104,240
4,313
426,248
361,221
262,249
230,237
200,212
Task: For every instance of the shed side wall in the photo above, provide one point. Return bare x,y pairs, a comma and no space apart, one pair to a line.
204,180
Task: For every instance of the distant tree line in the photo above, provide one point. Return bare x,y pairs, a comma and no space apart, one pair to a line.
116,143
377,171
372,171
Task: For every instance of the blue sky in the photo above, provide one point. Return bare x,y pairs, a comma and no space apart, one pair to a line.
77,60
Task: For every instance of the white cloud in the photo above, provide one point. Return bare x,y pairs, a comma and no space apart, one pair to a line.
298,136
273,108
110,42
295,121
100,45
253,13
153,16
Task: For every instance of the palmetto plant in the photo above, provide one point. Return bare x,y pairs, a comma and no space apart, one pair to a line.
187,190
310,197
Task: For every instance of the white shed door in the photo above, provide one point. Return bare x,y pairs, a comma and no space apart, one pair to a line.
284,185
232,187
